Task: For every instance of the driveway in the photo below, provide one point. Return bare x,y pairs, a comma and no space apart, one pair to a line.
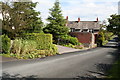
80,64
62,49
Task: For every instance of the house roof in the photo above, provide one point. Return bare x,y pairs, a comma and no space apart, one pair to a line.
84,24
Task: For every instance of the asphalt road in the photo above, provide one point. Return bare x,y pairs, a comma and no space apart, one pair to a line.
92,63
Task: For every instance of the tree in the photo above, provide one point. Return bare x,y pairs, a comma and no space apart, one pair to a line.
114,24
21,17
57,22
100,38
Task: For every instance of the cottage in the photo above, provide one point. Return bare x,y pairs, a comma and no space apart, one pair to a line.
85,31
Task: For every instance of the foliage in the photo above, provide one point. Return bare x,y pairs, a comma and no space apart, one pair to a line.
79,46
74,46
103,37
22,47
69,45
5,43
108,35
100,38
68,39
114,24
44,41
56,25
20,16
54,49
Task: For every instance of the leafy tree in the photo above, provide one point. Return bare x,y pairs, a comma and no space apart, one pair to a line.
114,24
57,22
21,17
100,38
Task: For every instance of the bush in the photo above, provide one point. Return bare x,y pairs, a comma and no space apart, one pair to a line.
68,39
22,47
43,41
69,45
5,44
108,35
100,39
103,37
33,46
54,49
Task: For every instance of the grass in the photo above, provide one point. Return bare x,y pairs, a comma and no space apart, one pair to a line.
114,73
5,55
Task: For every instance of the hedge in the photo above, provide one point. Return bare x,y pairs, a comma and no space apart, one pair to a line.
5,44
44,41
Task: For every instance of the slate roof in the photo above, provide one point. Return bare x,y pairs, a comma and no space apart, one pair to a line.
84,24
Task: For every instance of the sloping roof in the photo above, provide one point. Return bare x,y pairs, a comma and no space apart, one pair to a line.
83,24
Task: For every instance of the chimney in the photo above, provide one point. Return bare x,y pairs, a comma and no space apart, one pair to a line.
78,19
97,19
67,18
66,21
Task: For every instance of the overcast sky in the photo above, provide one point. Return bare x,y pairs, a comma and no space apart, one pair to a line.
87,10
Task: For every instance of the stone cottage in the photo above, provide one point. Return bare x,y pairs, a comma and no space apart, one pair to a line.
85,31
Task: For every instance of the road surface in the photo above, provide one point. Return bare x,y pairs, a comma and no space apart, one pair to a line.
87,63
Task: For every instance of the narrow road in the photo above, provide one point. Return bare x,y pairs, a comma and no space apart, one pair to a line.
92,62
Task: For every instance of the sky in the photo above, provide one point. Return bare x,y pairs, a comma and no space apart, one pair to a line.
87,10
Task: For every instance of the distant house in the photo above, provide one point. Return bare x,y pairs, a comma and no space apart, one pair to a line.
85,31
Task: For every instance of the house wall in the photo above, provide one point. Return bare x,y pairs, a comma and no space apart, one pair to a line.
88,39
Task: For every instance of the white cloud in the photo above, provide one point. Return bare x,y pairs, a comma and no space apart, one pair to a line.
90,10
85,9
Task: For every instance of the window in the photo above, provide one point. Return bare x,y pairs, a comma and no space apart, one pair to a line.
72,29
77,30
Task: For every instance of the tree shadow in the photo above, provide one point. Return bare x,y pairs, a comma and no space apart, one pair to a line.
7,76
102,68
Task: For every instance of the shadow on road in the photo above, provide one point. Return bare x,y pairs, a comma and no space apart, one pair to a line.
103,68
7,76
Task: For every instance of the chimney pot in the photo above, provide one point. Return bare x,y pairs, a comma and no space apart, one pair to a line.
78,19
66,17
97,19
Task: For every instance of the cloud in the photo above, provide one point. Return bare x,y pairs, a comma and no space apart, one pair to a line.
90,10
85,9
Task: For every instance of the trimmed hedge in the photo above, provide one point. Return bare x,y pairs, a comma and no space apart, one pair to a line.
44,41
5,43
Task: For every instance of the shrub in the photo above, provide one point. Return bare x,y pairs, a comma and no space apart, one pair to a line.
54,49
5,44
100,39
68,39
43,41
108,35
16,46
22,47
69,45
33,46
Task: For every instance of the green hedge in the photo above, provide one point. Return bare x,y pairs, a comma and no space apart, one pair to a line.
43,41
5,43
